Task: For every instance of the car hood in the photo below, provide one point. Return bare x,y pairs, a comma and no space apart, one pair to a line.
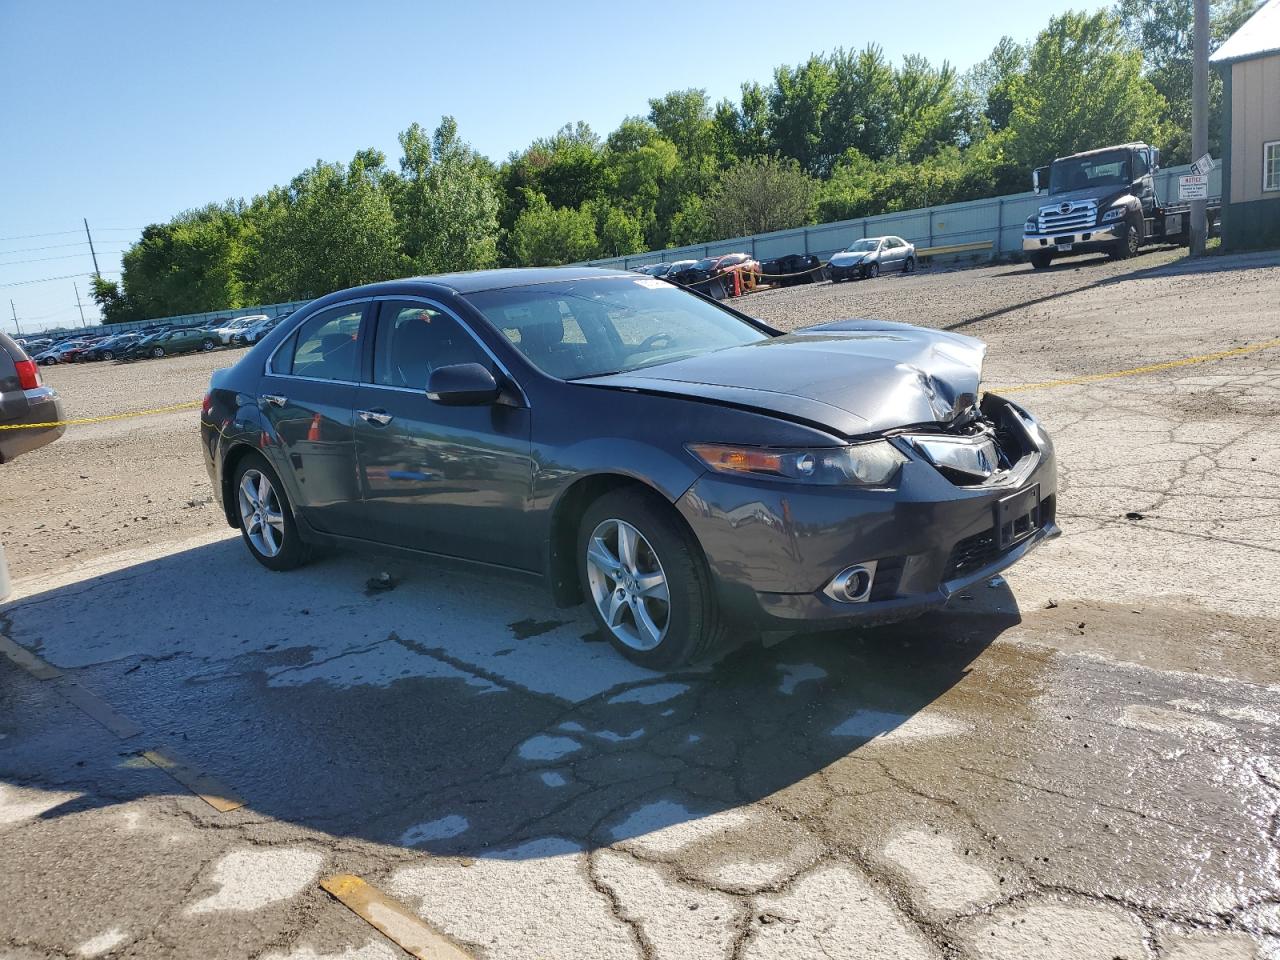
847,259
853,377
1105,195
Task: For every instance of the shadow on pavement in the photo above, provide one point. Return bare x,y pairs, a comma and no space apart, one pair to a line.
459,713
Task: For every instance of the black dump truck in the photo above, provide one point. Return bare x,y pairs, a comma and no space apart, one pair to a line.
1104,201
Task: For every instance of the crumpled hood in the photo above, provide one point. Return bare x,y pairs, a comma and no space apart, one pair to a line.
847,259
853,377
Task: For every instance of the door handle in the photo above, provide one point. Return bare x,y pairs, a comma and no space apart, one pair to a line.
274,399
378,417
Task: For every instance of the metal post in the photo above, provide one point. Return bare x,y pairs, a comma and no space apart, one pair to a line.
96,272
76,287
806,241
1200,119
1000,227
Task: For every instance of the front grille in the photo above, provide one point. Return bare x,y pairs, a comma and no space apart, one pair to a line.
1080,215
971,553
888,576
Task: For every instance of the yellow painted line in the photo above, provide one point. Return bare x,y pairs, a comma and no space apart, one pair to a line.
212,791
392,919
100,710
1149,368
191,405
27,660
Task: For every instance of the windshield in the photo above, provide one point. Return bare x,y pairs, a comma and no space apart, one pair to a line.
1095,170
588,328
862,246
705,264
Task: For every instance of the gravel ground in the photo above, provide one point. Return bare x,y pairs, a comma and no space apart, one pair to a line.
123,483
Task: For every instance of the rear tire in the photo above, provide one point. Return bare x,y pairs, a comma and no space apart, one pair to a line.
266,516
1041,261
207,344
688,625
157,352
108,355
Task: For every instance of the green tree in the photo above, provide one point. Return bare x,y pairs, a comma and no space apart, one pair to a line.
332,227
757,196
111,300
190,265
544,235
445,202
1164,30
798,105
990,83
1083,88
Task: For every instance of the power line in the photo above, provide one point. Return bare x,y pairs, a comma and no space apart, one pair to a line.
63,256
28,236
65,276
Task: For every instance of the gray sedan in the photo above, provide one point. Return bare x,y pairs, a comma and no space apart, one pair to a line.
871,256
690,473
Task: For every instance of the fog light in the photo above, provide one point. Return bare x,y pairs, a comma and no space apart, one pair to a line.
852,584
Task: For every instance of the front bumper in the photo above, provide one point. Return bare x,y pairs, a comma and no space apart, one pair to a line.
1078,241
773,547
847,271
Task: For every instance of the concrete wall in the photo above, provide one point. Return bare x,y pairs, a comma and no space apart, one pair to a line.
998,219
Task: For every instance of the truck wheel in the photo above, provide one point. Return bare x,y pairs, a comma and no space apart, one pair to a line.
1127,245
1040,261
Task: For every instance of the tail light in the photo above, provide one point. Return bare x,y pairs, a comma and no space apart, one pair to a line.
28,374
206,404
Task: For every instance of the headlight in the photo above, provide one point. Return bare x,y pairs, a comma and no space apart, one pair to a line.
1030,226
1115,213
872,464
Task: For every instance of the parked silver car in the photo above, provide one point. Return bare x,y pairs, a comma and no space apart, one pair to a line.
868,257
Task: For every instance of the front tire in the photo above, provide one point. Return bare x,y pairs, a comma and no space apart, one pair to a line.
873,271
646,581
266,517
108,355
157,352
910,265
1041,261
207,344
1127,245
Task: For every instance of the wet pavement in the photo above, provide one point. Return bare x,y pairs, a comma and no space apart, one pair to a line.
1081,761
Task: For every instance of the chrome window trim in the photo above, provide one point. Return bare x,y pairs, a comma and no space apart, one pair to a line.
436,305
266,367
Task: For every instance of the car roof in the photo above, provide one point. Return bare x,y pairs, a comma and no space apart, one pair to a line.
473,281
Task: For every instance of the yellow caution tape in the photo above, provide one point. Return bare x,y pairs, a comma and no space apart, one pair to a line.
1065,382
113,416
1148,368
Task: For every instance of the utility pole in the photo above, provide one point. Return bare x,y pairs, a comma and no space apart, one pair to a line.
15,318
96,272
1200,120
76,287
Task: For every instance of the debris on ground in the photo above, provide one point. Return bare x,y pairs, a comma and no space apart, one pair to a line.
380,584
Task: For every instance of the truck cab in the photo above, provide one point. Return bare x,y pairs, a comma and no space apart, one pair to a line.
1099,201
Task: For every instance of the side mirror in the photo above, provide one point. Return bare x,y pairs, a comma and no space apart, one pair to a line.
1035,180
462,385
1155,159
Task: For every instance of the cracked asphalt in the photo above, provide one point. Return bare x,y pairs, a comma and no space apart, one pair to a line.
1080,760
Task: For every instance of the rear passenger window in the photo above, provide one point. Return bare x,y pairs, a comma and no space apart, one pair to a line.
324,347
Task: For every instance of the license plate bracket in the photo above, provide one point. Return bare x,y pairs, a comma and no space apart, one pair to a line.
1065,246
1017,517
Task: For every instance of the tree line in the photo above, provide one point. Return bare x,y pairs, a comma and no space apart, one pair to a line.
845,134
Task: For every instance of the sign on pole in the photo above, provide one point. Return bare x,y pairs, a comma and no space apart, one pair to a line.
1193,187
1202,166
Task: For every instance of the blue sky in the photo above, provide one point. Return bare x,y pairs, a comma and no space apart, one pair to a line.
127,113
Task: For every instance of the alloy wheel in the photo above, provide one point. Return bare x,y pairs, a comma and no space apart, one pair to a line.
628,584
260,513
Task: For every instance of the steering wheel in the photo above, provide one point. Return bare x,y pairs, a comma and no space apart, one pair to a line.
653,340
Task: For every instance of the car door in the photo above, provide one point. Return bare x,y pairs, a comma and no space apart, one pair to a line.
307,395
452,480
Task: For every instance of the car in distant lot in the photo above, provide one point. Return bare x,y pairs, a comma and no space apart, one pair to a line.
654,269
108,348
870,257
58,353
25,400
225,331
255,331
698,273
686,470
791,269
167,342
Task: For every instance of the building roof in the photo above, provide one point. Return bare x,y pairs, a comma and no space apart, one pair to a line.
1259,37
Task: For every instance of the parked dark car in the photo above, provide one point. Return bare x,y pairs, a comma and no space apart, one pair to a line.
59,353
682,467
654,269
789,270
167,342
701,271
110,347
24,400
